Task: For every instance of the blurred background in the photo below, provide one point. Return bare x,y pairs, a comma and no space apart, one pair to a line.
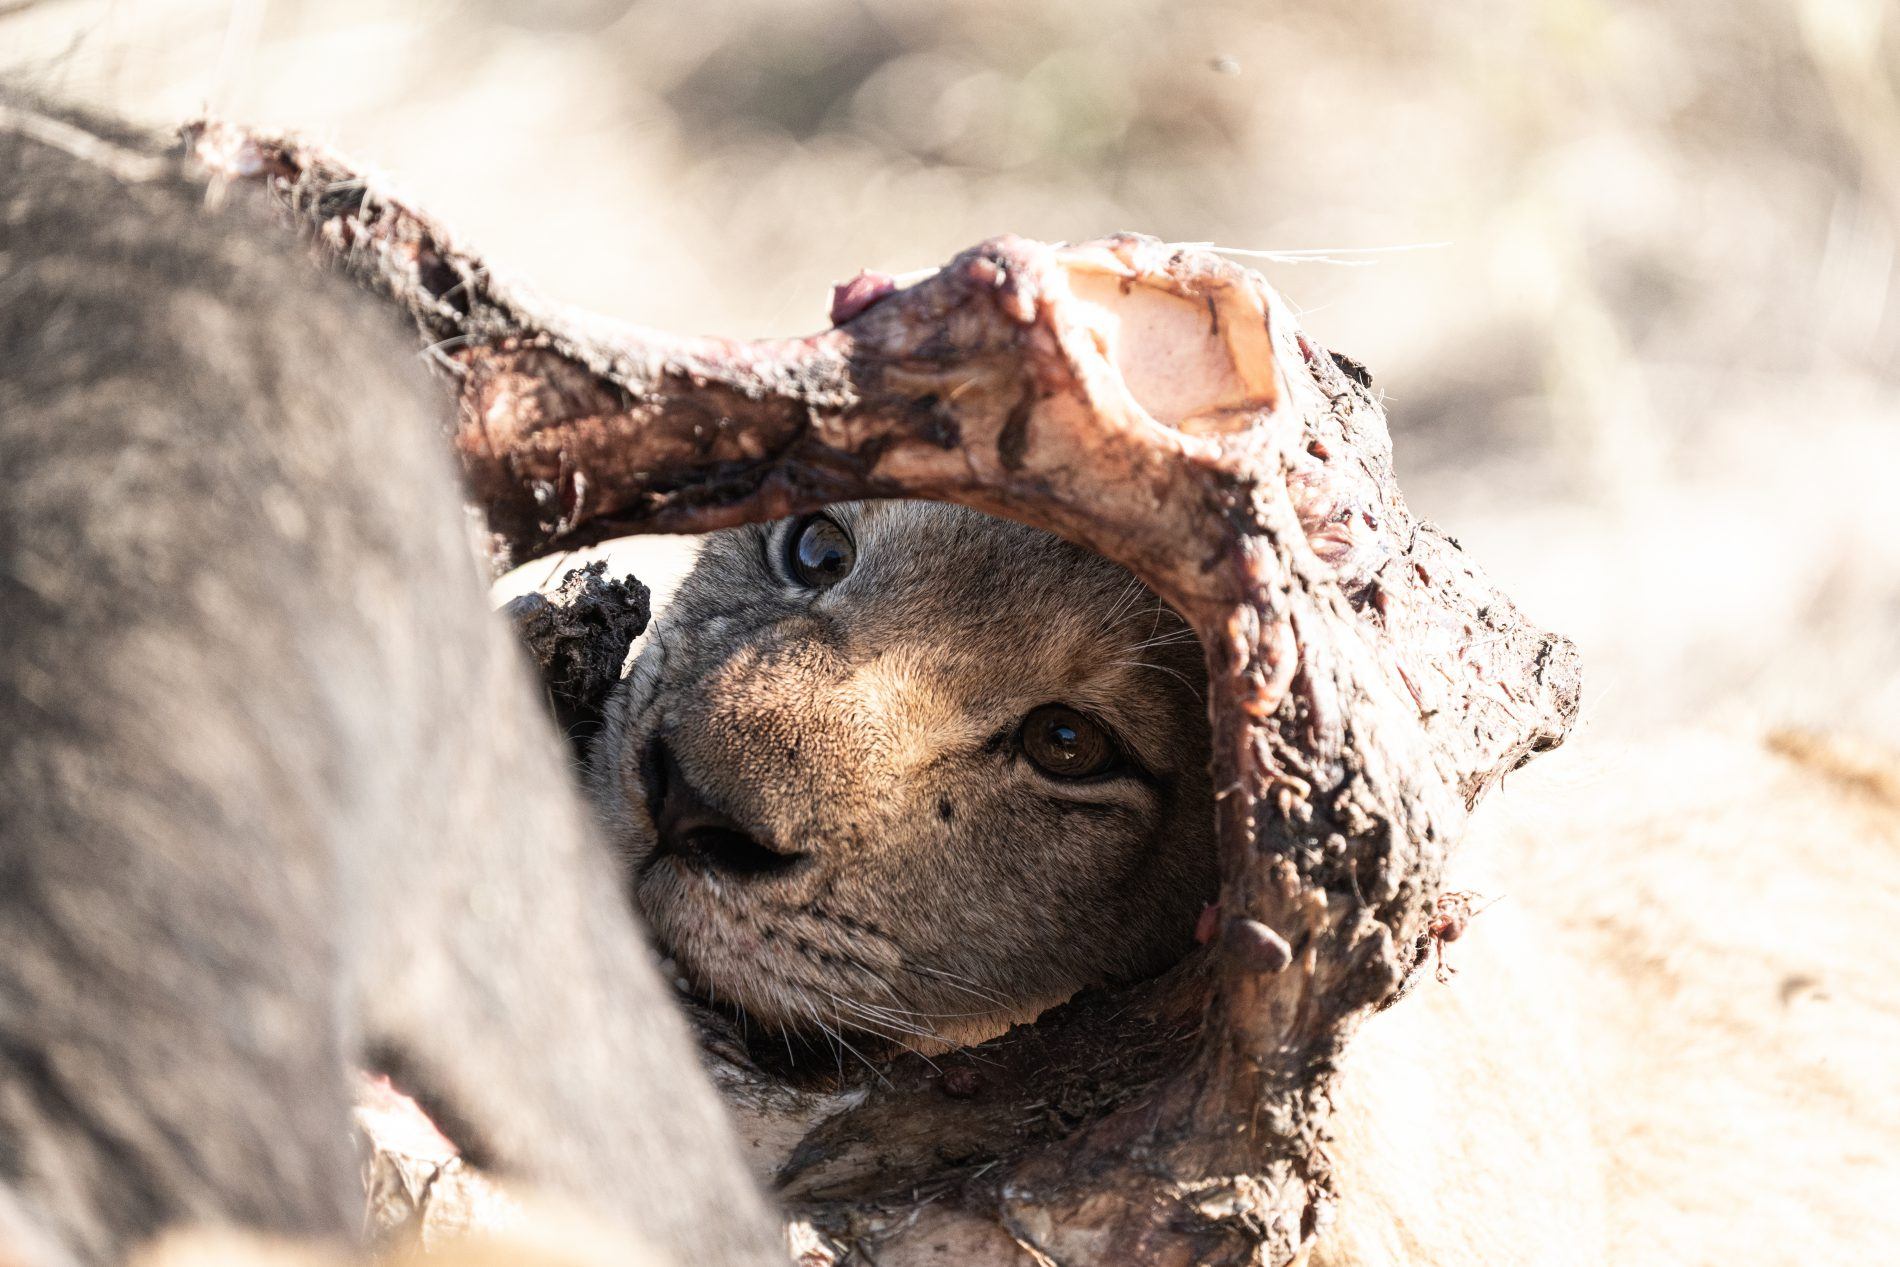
1625,270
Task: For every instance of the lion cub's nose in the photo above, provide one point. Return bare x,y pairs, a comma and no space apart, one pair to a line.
700,834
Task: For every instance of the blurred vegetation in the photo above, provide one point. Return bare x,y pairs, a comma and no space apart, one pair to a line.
1652,377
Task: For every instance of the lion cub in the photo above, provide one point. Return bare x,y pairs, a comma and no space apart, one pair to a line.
902,773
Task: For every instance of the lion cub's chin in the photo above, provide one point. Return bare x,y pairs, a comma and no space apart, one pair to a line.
801,1029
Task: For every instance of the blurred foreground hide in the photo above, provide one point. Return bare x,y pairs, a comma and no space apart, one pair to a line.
275,795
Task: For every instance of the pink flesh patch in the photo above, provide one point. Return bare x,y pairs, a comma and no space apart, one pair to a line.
848,299
397,1123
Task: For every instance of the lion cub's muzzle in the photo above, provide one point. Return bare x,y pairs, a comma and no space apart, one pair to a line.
698,833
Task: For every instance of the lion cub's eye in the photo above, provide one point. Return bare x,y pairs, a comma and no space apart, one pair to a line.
1065,744
820,552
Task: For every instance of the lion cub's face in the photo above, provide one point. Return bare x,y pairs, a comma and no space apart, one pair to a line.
902,769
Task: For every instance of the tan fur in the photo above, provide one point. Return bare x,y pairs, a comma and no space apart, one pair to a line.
949,888
547,1233
225,1247
1671,1041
